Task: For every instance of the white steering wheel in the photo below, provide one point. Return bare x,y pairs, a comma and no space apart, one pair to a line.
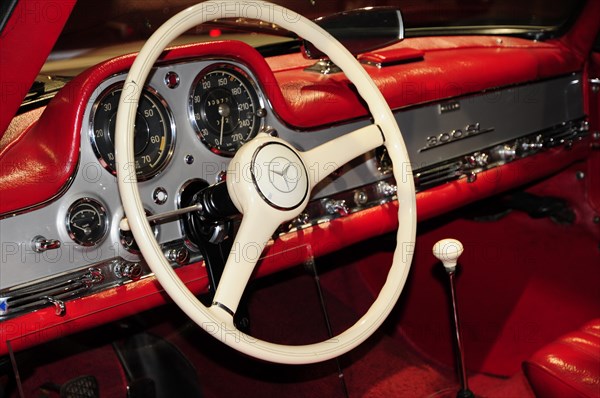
278,190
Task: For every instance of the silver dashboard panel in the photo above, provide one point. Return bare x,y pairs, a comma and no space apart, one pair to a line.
505,114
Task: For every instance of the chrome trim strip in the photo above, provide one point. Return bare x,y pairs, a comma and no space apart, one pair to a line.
33,296
224,308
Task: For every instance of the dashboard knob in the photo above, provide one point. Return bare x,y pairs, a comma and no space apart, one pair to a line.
302,219
336,207
129,270
178,255
532,146
503,153
481,159
386,188
40,244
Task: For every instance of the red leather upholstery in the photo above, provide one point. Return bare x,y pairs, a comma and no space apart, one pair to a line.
569,367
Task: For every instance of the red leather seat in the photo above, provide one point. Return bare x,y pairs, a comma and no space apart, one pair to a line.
568,367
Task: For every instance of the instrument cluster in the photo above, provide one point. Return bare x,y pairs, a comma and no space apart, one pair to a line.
225,110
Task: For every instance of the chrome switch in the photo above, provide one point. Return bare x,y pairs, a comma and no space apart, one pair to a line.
40,244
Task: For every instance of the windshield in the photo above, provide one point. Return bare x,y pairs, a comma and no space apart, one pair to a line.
98,30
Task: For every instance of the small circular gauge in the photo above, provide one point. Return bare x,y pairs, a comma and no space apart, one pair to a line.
153,134
87,222
225,108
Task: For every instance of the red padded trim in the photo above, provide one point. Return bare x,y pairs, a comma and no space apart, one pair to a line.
18,126
584,342
569,366
289,250
38,164
25,43
548,385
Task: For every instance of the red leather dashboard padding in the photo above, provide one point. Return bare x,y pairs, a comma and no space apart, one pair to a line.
568,367
39,162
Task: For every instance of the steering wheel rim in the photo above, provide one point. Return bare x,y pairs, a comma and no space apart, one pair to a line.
246,194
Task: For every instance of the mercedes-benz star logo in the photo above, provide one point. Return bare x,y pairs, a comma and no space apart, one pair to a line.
283,174
280,176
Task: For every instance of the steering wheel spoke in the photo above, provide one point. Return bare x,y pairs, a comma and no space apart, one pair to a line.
256,228
330,156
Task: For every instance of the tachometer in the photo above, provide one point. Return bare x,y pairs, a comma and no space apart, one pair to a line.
225,108
154,132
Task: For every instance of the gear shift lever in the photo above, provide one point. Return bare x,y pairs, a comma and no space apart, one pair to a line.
448,251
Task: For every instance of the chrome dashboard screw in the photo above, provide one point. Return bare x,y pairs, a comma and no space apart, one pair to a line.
261,112
361,198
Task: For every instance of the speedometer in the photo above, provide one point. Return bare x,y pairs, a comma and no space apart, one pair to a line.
154,132
225,108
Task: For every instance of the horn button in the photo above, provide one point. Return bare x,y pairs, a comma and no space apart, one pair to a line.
280,176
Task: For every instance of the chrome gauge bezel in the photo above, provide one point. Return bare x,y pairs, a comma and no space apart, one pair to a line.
103,215
251,86
170,135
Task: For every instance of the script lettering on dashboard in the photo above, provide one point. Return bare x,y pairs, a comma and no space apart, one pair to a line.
434,141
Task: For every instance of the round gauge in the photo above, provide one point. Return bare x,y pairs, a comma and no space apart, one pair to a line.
87,222
225,108
153,134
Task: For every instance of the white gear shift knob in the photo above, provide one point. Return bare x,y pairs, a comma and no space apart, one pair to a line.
448,251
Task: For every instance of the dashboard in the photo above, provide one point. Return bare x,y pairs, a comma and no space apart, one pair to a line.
203,102
191,118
